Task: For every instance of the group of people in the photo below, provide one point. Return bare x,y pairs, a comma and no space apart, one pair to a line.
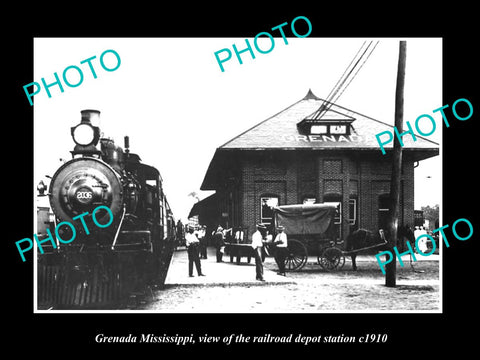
422,243
195,241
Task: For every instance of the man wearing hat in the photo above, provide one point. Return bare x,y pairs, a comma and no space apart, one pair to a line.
281,243
201,232
193,243
257,245
219,241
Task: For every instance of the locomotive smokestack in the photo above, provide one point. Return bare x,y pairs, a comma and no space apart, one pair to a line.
90,116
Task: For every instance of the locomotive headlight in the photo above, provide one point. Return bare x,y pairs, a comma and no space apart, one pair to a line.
83,134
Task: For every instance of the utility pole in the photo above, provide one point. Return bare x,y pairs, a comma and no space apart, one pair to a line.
391,268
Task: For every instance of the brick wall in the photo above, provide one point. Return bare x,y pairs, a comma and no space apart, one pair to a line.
326,176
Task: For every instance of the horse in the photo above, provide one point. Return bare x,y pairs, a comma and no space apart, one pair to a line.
363,239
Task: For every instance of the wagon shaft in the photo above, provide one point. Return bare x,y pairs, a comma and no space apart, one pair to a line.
348,253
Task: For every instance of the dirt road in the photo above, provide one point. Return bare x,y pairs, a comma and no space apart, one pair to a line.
310,290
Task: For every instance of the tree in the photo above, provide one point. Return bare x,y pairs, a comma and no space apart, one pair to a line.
432,214
194,195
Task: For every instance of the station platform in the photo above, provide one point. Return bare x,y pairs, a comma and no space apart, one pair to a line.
229,273
221,273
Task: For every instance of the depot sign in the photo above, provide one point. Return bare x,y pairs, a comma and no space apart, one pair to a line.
323,138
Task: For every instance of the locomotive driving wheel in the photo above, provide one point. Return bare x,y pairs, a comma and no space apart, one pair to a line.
331,258
297,255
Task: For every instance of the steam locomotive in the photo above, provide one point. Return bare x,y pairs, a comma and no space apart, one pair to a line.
103,264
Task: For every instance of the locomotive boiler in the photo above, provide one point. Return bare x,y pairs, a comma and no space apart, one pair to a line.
104,184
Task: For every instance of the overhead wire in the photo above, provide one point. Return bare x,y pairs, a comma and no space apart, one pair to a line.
340,86
354,75
342,79
331,94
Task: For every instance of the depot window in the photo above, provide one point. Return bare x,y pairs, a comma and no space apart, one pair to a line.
267,203
318,129
352,213
313,128
335,199
326,122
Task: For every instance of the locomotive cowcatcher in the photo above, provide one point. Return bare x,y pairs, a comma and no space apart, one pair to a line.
103,265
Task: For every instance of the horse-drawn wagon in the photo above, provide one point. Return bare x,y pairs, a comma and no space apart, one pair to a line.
311,229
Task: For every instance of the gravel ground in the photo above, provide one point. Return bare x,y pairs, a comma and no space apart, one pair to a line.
310,290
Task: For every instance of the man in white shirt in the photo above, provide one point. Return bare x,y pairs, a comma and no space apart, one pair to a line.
193,243
203,241
257,244
281,243
422,243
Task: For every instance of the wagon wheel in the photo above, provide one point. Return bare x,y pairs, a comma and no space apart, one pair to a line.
332,258
321,249
297,255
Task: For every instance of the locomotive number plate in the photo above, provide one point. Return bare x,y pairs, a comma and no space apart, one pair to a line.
84,196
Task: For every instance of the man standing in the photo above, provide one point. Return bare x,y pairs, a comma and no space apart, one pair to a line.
281,244
203,241
219,241
422,244
257,245
193,243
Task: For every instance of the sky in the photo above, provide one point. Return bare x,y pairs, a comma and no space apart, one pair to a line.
176,105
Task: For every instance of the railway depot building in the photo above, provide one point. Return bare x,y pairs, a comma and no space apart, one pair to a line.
297,156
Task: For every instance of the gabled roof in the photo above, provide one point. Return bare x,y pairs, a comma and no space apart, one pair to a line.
281,132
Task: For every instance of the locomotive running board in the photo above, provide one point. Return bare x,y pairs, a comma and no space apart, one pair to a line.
131,239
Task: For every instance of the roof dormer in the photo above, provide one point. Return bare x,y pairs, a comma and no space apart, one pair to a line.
326,121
